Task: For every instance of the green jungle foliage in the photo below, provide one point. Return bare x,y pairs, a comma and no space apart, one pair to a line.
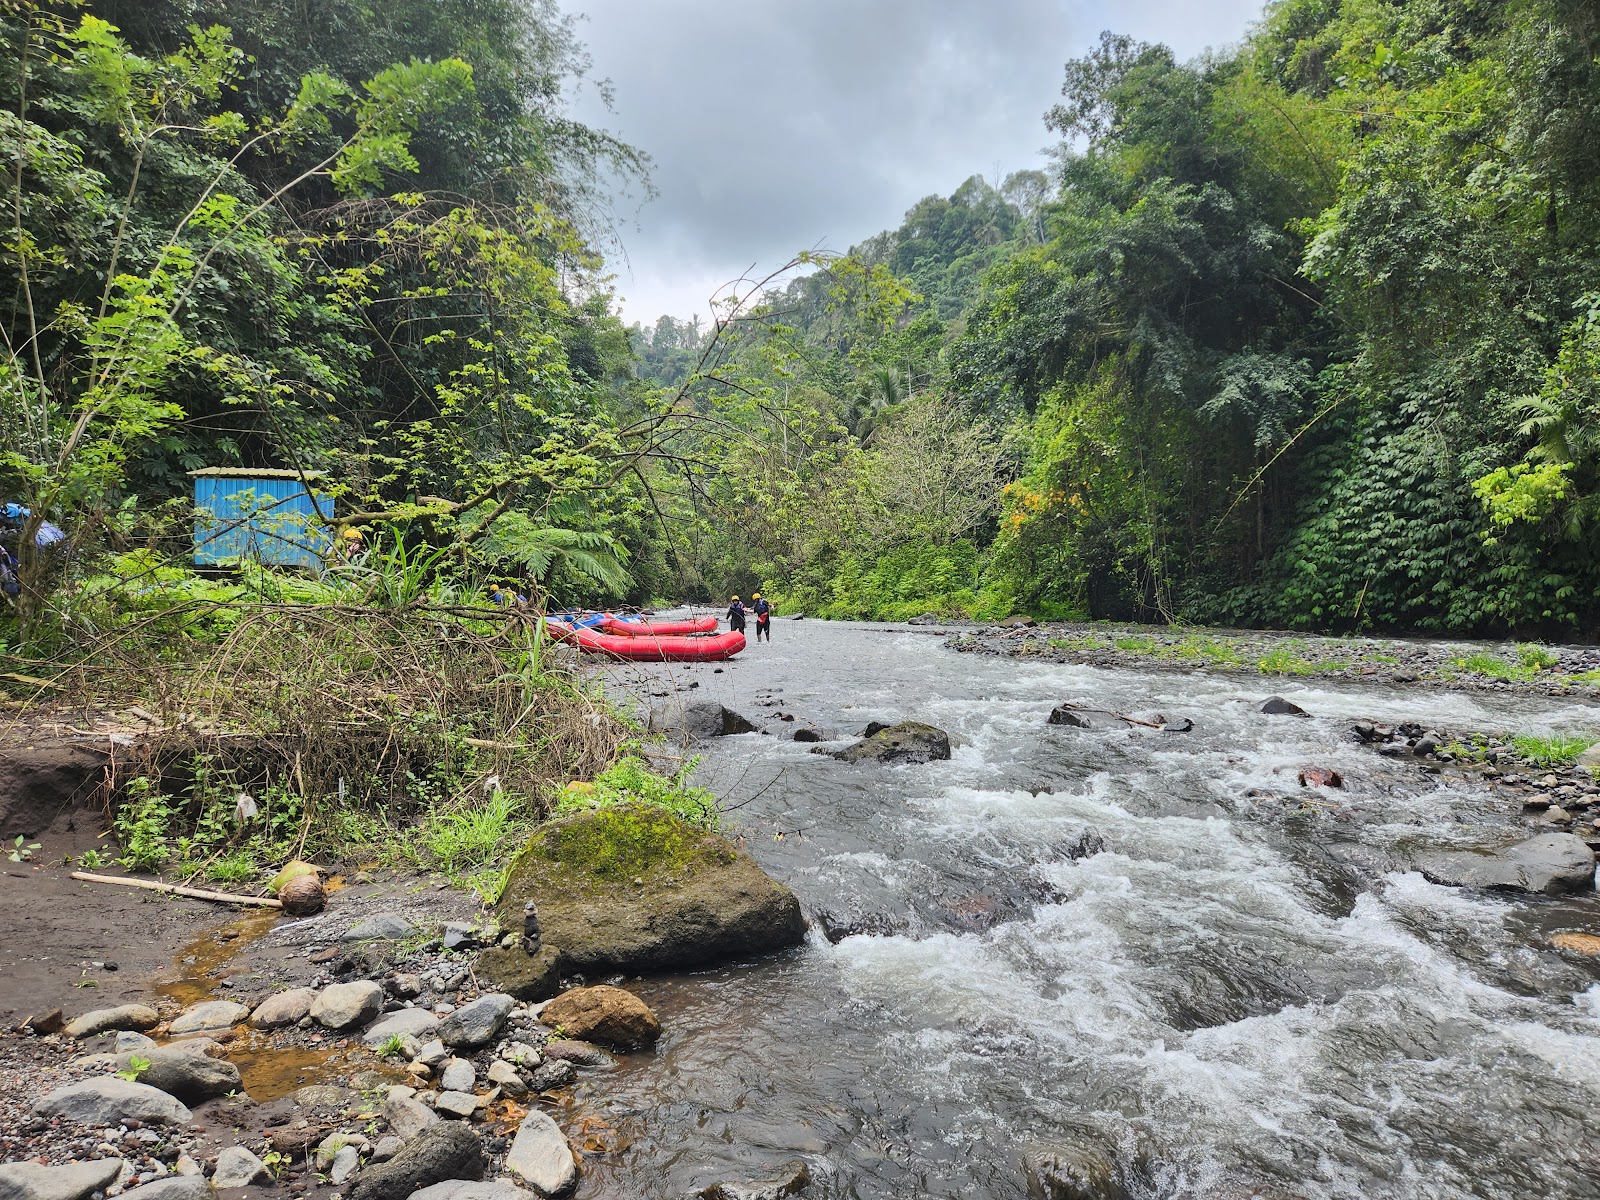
1302,334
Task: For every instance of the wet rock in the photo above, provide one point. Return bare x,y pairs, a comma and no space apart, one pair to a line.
698,720
1072,1172
838,926
237,1167
457,1104
464,1189
806,734
578,1053
209,1015
1068,715
607,1015
476,1024
908,742
184,1073
1551,864
346,1005
407,1116
458,1076
449,1150
177,1187
1178,725
111,1100
795,1178
416,1023
284,1008
1320,777
692,897
1277,706
388,927
75,1181
1586,944
125,1016
551,1075
540,1157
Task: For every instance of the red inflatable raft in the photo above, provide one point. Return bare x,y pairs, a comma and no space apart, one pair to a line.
645,648
645,627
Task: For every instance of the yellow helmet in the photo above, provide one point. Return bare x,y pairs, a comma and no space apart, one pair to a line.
352,534
755,595
736,597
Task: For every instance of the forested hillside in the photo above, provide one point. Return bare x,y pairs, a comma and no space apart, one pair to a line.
1305,333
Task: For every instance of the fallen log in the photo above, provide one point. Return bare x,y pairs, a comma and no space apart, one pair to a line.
175,889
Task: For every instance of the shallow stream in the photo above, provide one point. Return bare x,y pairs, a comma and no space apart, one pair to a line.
1217,994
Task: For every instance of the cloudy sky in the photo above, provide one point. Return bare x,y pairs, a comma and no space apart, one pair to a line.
778,127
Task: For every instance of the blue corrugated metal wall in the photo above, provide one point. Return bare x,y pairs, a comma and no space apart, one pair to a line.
270,520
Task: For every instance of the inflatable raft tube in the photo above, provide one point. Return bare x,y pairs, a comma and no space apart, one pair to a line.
647,627
646,648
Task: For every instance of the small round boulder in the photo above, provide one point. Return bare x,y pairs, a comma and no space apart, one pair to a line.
303,896
607,1015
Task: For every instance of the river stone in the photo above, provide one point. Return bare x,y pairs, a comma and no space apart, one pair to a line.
578,1053
185,1072
907,742
406,1022
407,1116
176,1187
1068,715
476,1024
795,1178
635,888
237,1168
345,1161
458,1076
698,720
1277,706
1551,864
110,1100
211,1014
1579,943
389,927
448,1150
30,1181
464,1189
322,1095
125,1016
285,1008
550,1076
507,1078
129,1042
456,1104
345,1005
540,1156
602,1014
1071,1173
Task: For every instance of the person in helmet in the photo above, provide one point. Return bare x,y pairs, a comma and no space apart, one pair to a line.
736,615
763,612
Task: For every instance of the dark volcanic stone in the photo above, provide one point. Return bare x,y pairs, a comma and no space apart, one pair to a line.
448,1150
907,742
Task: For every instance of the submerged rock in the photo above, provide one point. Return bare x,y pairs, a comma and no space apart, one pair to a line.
795,1178
635,888
1071,1172
907,742
607,1015
1551,864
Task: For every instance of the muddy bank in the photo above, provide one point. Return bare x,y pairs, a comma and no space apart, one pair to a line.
1467,666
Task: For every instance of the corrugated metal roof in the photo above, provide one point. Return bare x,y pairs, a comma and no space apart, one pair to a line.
254,473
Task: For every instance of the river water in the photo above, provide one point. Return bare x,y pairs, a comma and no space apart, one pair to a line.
1217,996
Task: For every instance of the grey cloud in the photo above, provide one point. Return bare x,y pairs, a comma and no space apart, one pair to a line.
776,127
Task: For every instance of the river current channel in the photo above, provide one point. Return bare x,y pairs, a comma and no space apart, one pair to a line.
1235,996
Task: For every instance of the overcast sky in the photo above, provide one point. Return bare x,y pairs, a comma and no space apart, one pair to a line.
779,127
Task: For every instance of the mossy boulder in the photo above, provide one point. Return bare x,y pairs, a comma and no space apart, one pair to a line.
635,888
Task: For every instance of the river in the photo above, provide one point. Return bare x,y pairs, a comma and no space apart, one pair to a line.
1227,1004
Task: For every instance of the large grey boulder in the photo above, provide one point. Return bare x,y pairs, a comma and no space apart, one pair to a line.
698,720
237,1168
635,888
448,1150
346,1005
416,1023
407,1116
476,1024
285,1008
124,1016
182,1072
74,1181
907,742
1551,864
212,1014
110,1101
467,1189
540,1157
